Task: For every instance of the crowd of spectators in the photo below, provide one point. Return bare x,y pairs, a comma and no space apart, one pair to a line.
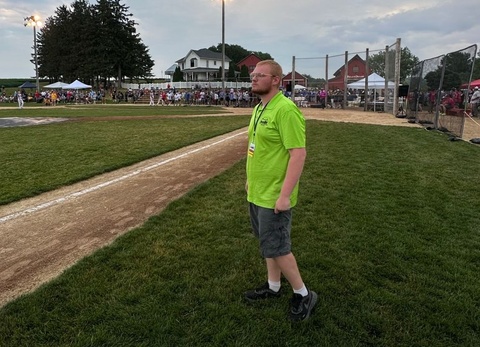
165,97
187,97
55,96
449,100
332,98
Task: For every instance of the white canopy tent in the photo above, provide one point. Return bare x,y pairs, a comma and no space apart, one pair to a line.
375,82
56,85
77,85
299,87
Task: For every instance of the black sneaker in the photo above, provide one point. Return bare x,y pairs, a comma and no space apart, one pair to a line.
263,292
302,306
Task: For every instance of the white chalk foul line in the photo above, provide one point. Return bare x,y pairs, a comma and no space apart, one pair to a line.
107,183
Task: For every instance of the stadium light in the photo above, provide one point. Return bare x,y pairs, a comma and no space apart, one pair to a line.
34,21
223,47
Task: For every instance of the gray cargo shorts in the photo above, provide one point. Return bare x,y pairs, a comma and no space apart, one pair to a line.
272,230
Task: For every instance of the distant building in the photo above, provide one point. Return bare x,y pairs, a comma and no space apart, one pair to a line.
356,71
250,61
202,65
298,80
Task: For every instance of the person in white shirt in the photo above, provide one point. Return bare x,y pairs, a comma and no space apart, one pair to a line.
475,101
20,99
152,98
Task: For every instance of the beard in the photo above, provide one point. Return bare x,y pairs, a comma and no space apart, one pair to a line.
261,91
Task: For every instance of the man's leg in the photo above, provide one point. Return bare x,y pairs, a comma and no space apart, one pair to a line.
287,265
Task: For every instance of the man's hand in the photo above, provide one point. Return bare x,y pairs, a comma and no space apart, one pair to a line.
294,170
282,204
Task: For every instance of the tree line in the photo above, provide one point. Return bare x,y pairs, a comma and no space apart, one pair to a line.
92,42
96,42
458,66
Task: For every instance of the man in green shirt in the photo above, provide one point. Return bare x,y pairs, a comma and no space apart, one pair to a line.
276,155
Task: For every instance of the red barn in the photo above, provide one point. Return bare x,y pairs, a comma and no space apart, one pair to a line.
356,71
250,61
299,79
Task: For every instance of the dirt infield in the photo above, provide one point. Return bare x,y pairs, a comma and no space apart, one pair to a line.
43,236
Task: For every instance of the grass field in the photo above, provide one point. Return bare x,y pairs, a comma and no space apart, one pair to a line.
386,231
41,158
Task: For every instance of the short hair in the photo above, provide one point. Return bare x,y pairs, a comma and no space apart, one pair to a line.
275,68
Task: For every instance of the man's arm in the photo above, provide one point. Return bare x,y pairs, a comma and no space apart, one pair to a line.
294,171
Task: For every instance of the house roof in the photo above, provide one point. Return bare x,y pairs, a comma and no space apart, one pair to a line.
355,57
171,70
28,84
251,55
205,54
288,77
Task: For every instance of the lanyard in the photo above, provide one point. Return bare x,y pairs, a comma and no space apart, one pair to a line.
257,118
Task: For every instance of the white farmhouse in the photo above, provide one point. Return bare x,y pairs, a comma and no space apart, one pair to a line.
202,65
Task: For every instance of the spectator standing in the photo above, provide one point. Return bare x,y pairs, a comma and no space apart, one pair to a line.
432,97
20,99
276,155
475,101
152,98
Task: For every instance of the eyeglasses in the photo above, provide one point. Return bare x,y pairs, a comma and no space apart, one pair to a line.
259,75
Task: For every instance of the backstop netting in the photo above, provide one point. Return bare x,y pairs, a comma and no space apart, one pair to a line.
433,82
422,98
392,77
337,72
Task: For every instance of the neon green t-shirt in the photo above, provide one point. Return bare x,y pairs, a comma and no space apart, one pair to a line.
274,129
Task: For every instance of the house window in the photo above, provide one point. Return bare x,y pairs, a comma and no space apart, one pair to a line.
193,62
355,69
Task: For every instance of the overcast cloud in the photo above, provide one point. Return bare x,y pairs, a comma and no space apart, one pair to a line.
300,28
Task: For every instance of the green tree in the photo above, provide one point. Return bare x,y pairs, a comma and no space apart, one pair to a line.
376,63
92,42
458,66
236,53
61,54
244,75
120,46
177,75
432,79
231,74
315,82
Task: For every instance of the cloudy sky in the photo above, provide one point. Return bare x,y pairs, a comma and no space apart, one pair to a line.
306,29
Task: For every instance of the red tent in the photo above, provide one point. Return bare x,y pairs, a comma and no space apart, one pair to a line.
473,84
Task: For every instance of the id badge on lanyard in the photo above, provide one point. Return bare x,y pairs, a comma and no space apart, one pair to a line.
251,147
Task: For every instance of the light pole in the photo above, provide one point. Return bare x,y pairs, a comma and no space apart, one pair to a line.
34,21
223,48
